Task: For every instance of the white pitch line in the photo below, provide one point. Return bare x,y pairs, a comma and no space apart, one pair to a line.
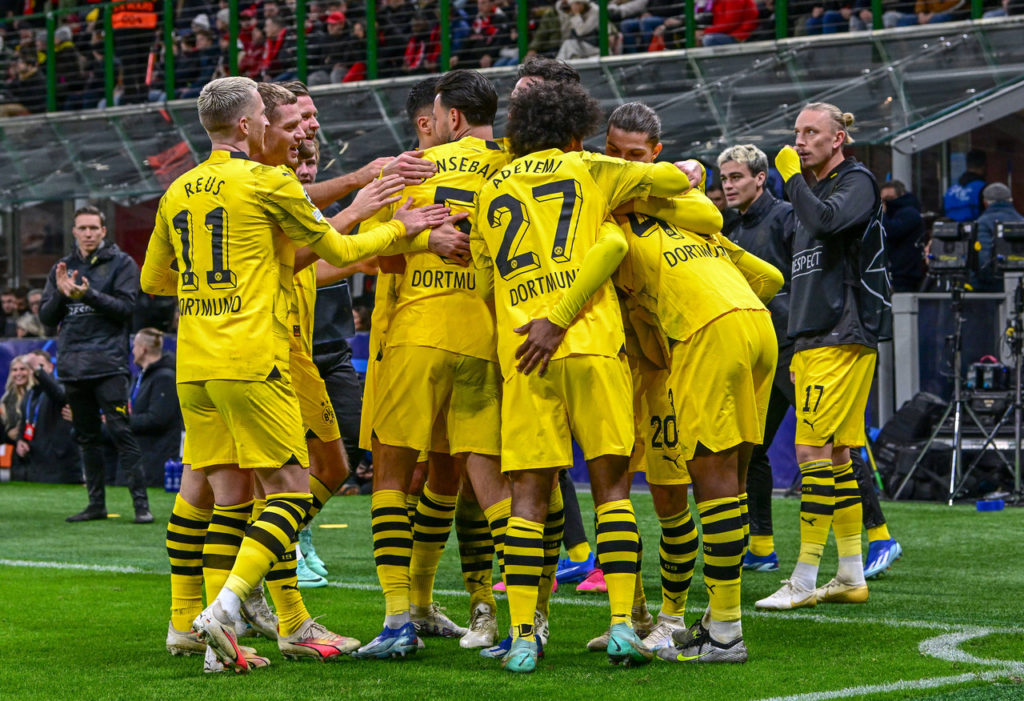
71,566
932,683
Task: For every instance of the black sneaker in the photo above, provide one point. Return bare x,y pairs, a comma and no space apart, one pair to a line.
90,513
143,515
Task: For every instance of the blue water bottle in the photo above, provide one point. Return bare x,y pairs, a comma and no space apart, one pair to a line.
172,475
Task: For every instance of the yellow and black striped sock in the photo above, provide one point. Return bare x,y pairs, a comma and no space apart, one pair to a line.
321,495
848,518
476,552
524,560
266,542
258,504
223,539
411,500
722,526
817,502
554,524
392,547
430,529
745,517
678,553
639,596
283,584
497,518
618,543
186,534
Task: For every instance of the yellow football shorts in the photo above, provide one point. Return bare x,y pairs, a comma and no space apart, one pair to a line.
656,448
721,379
314,403
251,424
435,400
588,397
369,386
832,387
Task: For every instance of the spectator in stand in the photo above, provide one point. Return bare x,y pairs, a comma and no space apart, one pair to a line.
829,18
341,51
962,201
91,293
9,306
207,59
931,12
637,32
19,381
422,50
155,416
732,21
581,19
1005,9
29,326
252,56
186,64
393,19
998,208
45,441
490,32
26,86
278,62
69,67
904,236
765,21
546,35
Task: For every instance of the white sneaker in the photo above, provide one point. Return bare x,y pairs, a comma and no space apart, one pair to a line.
541,628
836,592
430,620
661,634
790,596
211,665
483,628
217,629
183,642
643,622
600,643
257,613
313,641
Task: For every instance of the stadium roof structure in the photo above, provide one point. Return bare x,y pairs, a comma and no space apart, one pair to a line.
897,82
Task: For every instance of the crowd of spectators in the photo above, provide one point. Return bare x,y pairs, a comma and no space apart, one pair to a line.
483,34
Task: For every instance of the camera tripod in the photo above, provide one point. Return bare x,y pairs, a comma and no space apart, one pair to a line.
958,408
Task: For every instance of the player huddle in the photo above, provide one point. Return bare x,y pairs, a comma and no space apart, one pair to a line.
530,294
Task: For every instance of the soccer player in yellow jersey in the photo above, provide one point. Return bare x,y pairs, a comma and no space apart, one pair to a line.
698,288
228,225
438,386
634,132
540,246
835,348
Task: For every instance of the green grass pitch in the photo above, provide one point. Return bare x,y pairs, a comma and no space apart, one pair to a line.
85,607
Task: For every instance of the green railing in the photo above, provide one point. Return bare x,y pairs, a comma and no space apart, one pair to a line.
159,53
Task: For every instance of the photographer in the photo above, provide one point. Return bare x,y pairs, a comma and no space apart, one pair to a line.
44,441
91,293
155,416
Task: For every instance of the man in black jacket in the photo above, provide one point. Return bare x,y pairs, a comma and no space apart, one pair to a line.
156,415
765,228
835,349
48,445
904,236
91,293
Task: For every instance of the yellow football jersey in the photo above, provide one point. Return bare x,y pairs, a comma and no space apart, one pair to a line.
685,279
231,226
437,303
305,303
535,222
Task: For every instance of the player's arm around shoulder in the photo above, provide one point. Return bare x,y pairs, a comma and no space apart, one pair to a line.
764,278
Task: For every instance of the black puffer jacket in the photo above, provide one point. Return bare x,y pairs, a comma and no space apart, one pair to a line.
93,339
156,418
